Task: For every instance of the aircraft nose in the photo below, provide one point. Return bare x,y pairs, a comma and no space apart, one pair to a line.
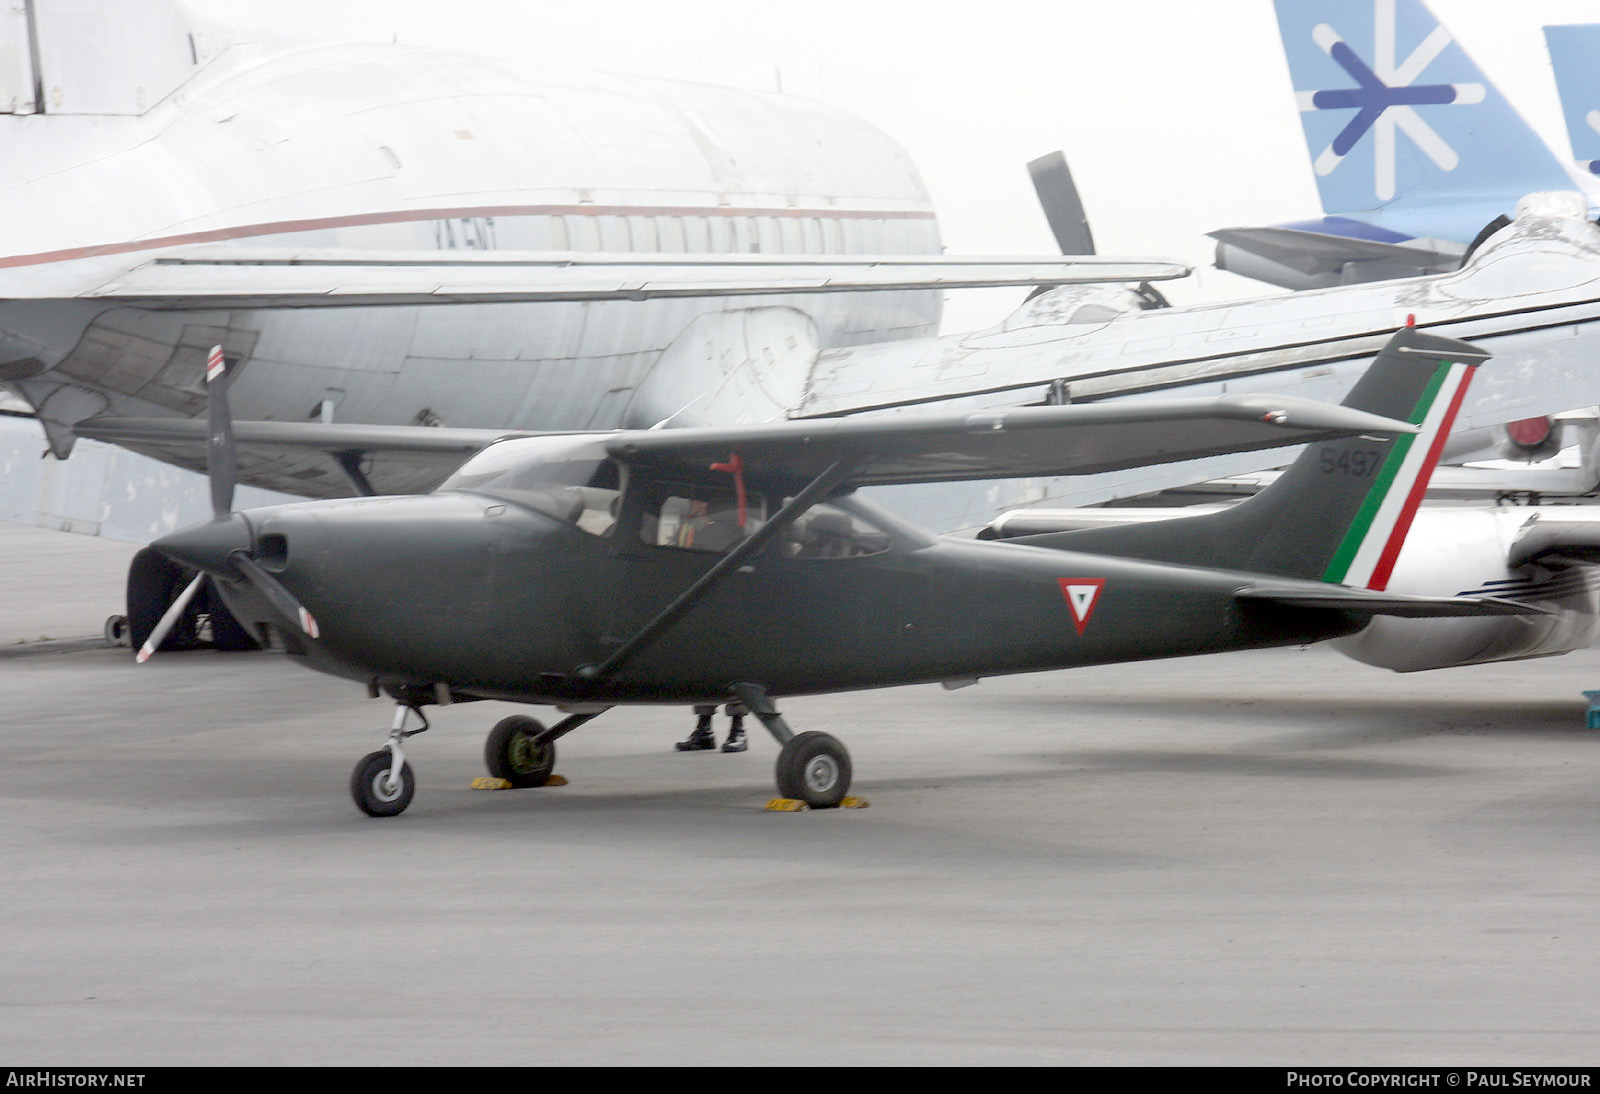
207,546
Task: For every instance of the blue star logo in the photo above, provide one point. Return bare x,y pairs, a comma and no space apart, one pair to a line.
1385,97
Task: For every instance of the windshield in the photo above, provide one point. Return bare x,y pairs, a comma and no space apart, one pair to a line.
568,478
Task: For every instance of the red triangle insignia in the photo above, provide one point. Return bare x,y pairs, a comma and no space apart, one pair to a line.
1081,594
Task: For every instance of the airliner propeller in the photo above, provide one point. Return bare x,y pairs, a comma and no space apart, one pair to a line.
1063,210
225,525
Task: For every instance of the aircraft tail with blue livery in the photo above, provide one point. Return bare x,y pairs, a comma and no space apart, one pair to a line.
1575,58
1416,153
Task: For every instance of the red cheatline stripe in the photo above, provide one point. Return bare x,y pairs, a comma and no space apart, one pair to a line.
402,216
1397,538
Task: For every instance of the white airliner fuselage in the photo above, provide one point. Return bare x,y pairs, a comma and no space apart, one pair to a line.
402,148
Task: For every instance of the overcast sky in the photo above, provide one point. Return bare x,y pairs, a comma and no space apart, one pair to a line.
1176,115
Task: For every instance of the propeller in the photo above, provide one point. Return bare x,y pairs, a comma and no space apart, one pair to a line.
1063,210
204,545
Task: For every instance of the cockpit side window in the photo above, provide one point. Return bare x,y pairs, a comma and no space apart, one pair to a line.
699,517
829,532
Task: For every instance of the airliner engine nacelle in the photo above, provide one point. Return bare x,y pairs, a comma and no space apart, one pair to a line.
1466,551
1529,439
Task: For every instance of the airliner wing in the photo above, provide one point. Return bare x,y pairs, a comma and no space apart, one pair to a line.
312,459
206,277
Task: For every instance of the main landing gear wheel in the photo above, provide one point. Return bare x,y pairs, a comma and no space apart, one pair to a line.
373,790
511,753
815,768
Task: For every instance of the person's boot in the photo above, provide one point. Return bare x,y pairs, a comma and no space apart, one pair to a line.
736,741
701,739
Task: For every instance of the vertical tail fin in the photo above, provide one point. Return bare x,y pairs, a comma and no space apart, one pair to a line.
1573,53
1342,510
1400,123
1389,493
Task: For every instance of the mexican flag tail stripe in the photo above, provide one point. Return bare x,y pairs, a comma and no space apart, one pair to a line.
1366,556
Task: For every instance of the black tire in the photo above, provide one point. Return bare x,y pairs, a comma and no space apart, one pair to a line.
815,768
367,785
510,754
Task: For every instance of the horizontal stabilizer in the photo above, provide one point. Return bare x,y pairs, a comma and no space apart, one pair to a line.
1365,602
1294,258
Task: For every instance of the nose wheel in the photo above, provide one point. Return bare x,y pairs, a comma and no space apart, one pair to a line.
378,790
382,783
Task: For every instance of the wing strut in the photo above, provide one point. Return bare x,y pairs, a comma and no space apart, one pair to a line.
647,636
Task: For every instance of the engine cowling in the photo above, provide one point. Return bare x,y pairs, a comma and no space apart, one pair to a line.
1529,439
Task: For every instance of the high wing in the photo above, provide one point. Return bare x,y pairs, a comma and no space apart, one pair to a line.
328,460
212,277
1055,440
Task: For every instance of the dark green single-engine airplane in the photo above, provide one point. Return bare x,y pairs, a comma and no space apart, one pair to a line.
703,566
